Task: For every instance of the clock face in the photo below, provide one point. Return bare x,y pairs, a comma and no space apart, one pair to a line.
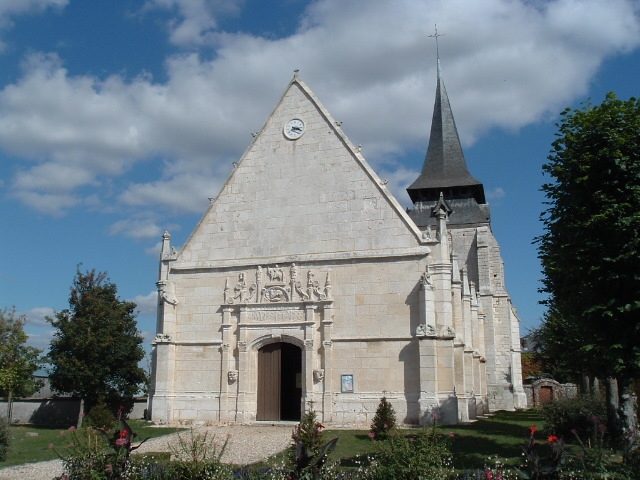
294,129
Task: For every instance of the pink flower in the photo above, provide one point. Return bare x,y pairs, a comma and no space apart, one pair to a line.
121,442
72,428
372,435
51,445
385,426
452,435
109,468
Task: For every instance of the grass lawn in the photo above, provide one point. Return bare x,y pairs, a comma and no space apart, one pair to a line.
473,446
31,444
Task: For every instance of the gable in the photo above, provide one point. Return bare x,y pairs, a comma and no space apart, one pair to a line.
306,199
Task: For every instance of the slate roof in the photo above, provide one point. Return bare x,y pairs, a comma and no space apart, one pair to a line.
445,168
444,165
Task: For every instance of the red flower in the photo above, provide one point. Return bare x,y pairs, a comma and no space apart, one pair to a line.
123,434
532,429
552,438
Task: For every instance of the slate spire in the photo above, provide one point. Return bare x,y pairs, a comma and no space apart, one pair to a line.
445,168
444,165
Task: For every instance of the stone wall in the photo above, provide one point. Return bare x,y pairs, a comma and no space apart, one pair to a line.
58,411
536,395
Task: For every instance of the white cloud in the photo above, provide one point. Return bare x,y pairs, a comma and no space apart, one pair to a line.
147,304
136,228
506,64
37,316
12,8
195,20
496,194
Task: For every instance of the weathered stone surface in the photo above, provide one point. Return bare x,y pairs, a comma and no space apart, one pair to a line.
305,245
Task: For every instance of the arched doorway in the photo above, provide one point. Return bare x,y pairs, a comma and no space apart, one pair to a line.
279,382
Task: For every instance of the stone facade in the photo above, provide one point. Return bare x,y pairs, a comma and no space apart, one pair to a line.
306,247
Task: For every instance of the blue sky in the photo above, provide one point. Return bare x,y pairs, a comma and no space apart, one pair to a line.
119,119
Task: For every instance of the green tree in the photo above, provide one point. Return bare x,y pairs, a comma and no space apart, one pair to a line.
554,344
590,249
18,361
96,347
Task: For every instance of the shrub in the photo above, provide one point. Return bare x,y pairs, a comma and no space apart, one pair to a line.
307,454
564,416
197,455
4,438
384,421
100,417
426,454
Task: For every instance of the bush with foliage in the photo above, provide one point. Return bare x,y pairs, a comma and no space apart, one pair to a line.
384,421
100,417
426,454
4,438
197,455
566,416
308,452
98,454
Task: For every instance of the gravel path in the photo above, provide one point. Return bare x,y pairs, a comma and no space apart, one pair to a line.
247,444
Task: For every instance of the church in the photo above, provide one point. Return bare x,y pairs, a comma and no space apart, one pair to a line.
307,285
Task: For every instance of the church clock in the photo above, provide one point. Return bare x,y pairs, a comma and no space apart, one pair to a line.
294,129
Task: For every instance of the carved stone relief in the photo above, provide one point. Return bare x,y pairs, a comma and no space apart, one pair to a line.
162,338
167,292
425,331
277,288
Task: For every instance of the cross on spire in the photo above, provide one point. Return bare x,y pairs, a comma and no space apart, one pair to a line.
436,35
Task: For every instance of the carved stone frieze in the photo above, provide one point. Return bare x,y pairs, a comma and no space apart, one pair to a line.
232,376
318,375
281,285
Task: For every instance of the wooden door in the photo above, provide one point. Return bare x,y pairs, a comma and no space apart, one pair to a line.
279,382
269,358
546,395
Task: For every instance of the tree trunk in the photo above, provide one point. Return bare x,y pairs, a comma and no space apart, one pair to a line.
586,384
9,406
80,414
627,413
613,416
595,387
